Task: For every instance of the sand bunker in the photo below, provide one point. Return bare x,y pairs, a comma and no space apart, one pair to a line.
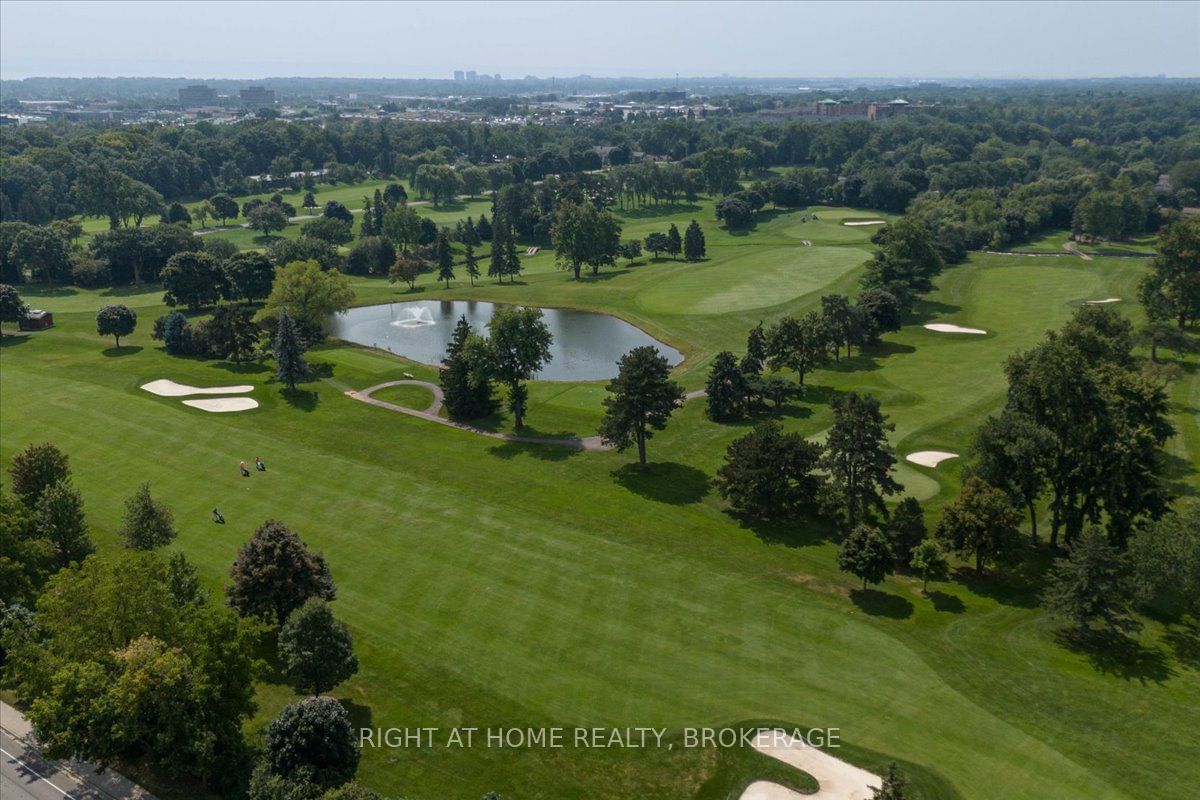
945,327
166,388
1101,302
837,780
219,405
929,458
856,223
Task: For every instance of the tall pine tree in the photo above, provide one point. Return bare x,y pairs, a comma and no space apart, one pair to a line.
289,352
445,258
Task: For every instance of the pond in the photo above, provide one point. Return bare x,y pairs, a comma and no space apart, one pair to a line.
586,345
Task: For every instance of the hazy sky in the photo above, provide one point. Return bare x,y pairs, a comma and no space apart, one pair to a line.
417,39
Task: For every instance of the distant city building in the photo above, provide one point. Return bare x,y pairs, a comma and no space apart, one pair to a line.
257,96
459,75
471,75
197,95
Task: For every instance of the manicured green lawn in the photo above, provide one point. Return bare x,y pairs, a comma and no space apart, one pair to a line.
496,584
417,397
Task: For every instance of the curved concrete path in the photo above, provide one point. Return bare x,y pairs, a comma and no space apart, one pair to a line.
431,414
836,780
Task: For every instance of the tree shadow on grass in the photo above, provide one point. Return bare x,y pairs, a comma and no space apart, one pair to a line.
1184,641
676,484
545,452
120,352
881,604
266,650
300,399
130,290
1018,585
360,715
242,367
1113,653
947,603
659,210
13,339
1178,472
49,291
926,310
802,530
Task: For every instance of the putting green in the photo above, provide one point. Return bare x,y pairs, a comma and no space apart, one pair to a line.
746,277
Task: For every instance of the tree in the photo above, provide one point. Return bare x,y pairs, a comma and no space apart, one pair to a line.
275,573
43,252
801,345
310,294
115,321
328,229
879,311
176,213
583,234
193,279
371,255
657,242
224,207
267,218
290,366
1176,269
496,266
472,262
37,468
466,378
12,308
735,212
512,261
59,518
768,473
406,268
315,649
725,388
1164,558
520,344
631,250
1090,586
203,211
338,211
312,741
843,325
640,400
125,669
674,241
693,242
248,276
981,523
176,334
858,457
928,560
1015,453
906,261
231,333
445,258
906,528
310,200
866,554
27,558
756,351
147,523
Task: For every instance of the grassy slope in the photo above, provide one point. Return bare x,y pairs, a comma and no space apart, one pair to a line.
494,584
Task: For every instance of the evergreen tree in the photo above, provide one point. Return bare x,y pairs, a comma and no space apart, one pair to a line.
496,265
315,649
289,352
466,378
640,400
906,528
1090,586
693,242
768,473
512,261
674,241
866,554
472,263
892,787
378,209
147,523
484,228
445,258
366,226
858,457
59,518
725,388
35,469
756,351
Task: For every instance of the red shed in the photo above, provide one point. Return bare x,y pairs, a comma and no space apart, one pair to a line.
36,320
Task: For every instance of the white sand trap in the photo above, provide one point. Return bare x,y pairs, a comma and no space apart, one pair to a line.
929,458
857,223
165,388
1101,302
946,327
836,779
219,405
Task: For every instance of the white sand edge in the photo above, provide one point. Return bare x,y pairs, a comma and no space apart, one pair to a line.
929,458
946,327
865,222
168,388
1101,302
219,405
836,779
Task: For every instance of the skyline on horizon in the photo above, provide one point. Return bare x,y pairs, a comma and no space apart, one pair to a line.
755,40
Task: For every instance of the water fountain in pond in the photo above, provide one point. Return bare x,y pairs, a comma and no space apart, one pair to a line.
416,318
